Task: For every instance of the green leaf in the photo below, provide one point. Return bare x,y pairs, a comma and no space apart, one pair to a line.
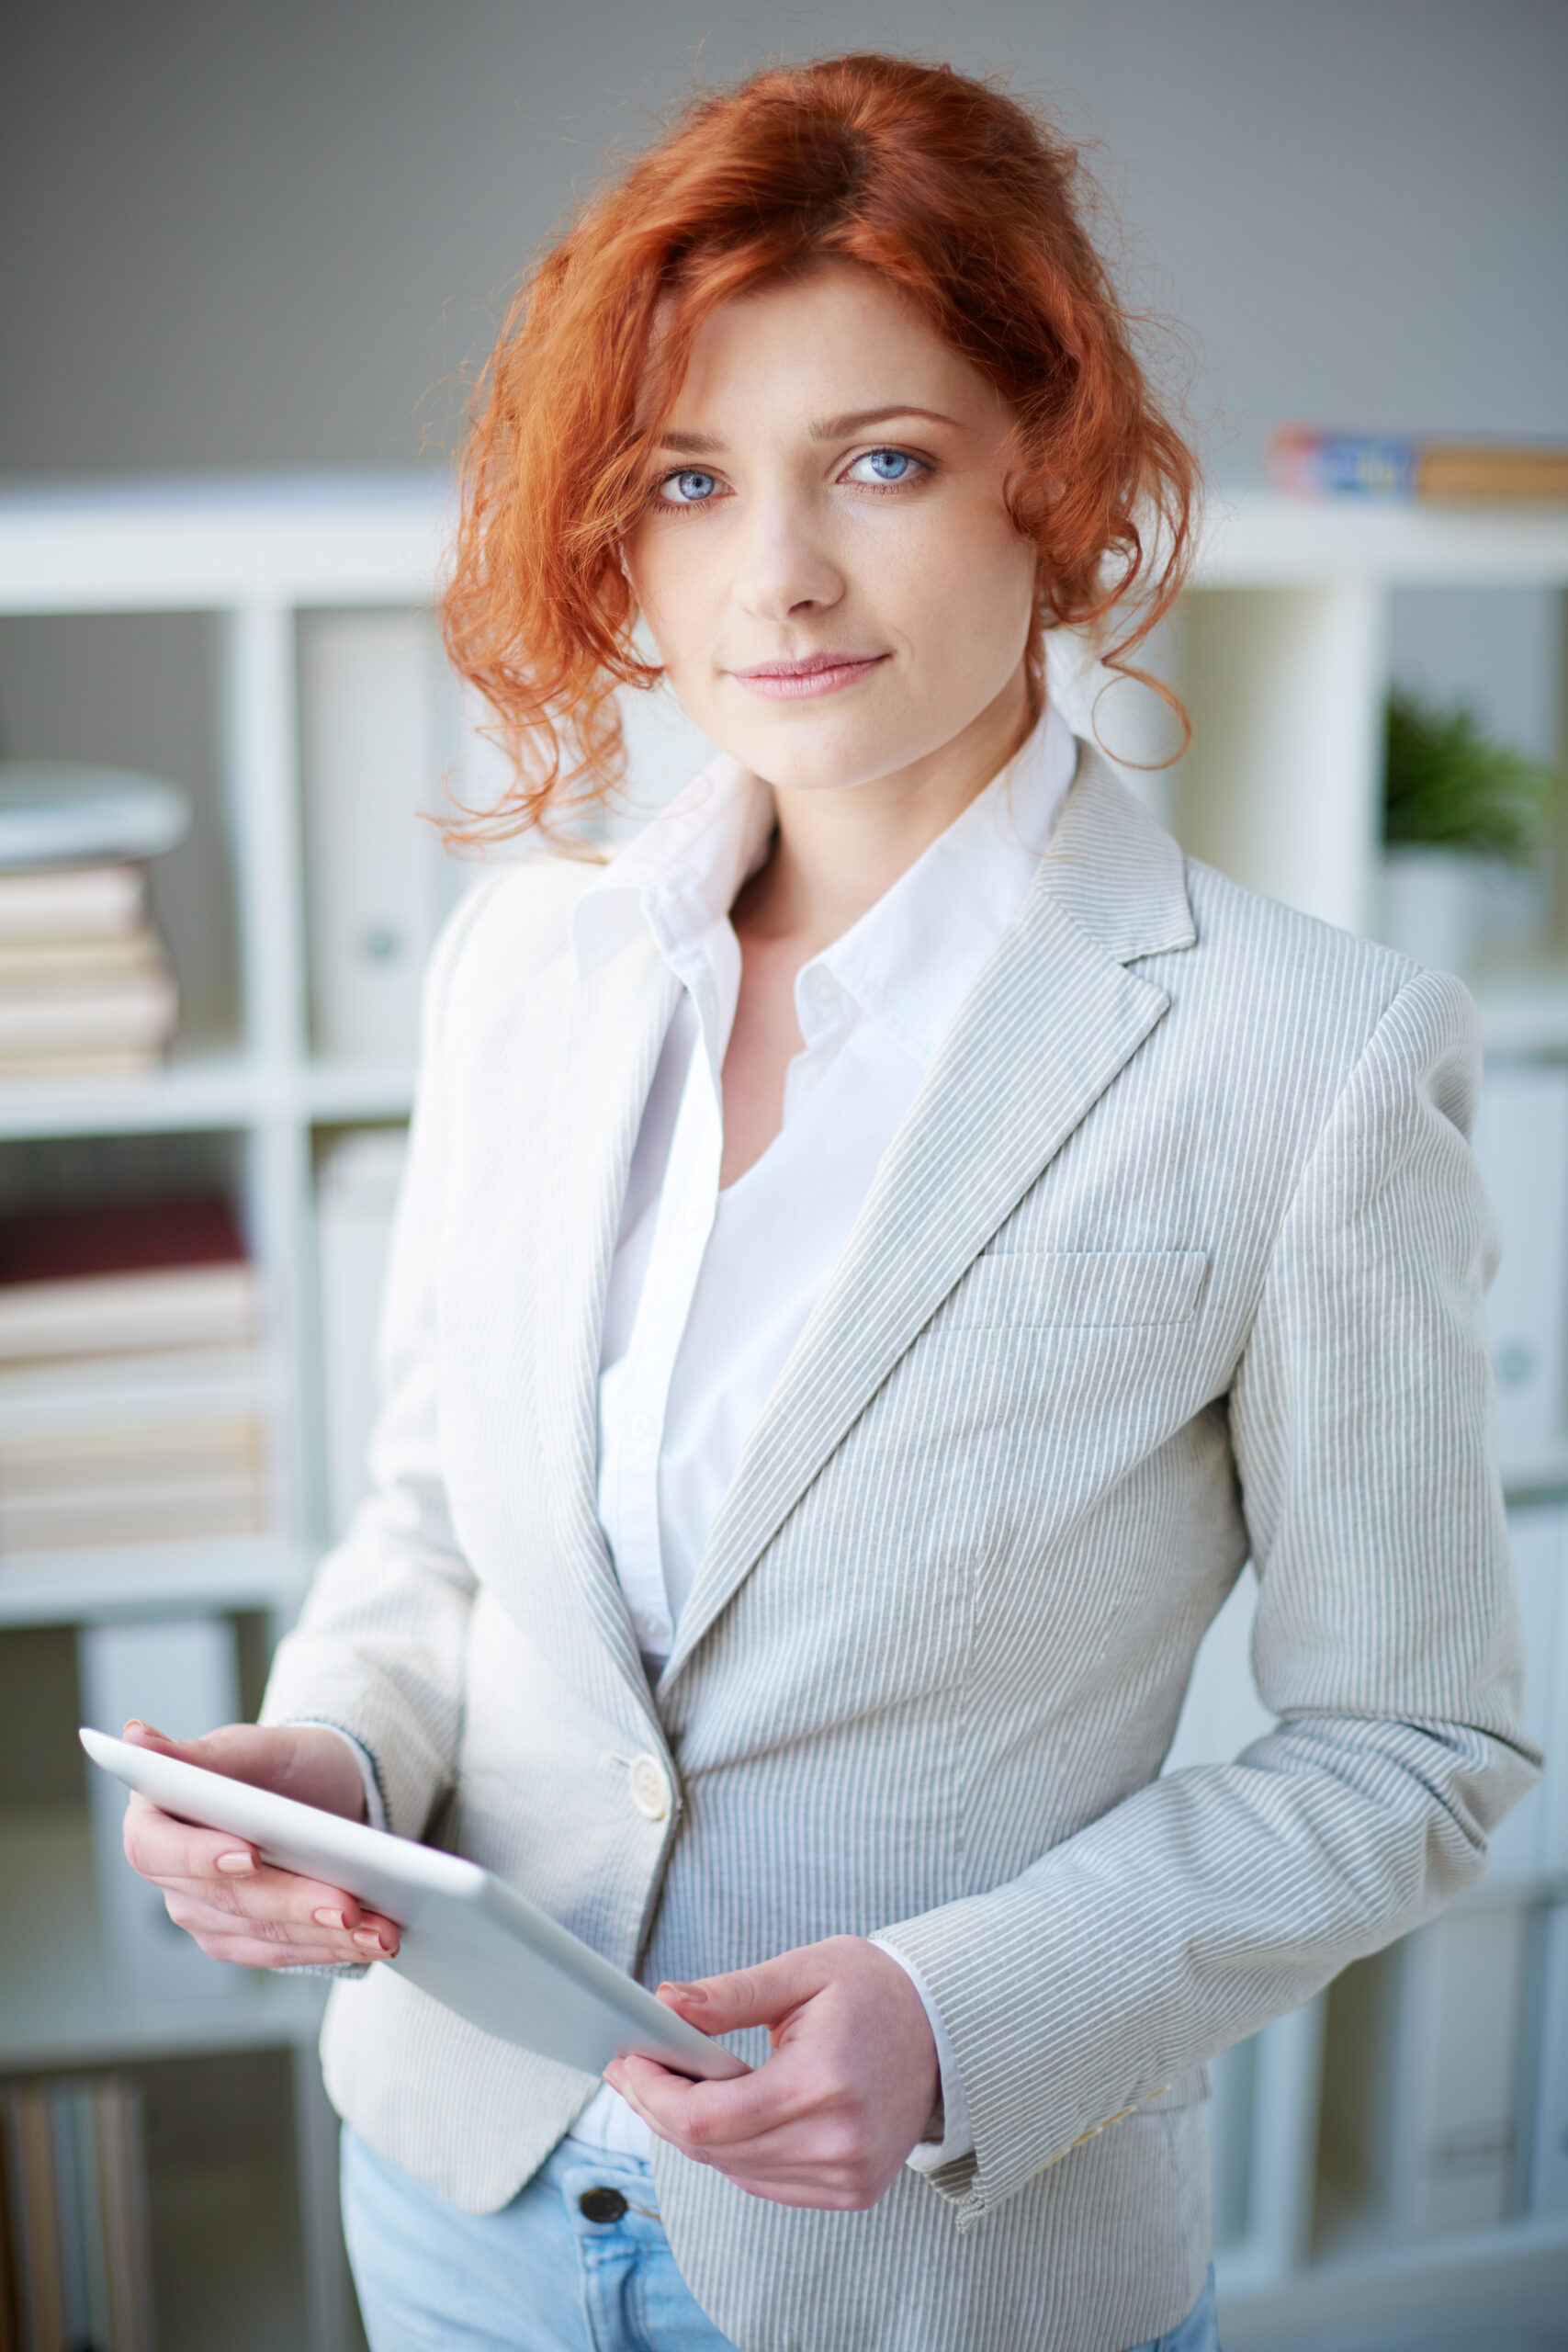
1446,785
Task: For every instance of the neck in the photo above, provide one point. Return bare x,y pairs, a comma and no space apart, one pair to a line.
839,851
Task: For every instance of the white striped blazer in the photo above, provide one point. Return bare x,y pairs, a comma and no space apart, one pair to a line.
1178,1257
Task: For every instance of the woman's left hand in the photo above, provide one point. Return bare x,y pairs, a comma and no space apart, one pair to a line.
850,2086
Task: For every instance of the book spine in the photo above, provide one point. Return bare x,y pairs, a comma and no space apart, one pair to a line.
1309,464
72,903
69,2217
208,1307
37,2227
141,1011
17,2331
122,2176
175,1514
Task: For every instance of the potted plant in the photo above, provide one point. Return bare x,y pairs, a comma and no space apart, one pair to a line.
1462,817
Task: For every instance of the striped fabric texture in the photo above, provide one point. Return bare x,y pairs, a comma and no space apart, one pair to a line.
1178,1257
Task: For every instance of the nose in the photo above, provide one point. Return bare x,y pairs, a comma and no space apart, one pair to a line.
786,570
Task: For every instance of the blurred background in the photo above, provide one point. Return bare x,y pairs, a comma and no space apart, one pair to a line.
253,253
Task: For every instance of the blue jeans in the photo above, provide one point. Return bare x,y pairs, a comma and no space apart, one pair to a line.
544,2274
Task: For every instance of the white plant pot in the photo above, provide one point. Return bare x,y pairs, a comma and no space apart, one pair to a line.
1438,903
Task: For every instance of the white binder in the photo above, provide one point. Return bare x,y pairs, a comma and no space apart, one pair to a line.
1521,1144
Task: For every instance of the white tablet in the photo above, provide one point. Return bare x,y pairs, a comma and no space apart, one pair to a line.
469,1939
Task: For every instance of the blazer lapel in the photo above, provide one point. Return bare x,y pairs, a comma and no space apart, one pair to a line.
1053,1018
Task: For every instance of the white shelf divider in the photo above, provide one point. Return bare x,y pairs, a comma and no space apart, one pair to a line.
231,1572
1284,686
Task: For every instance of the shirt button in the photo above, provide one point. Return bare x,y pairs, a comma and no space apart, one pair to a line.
695,1220
822,988
650,1789
642,1425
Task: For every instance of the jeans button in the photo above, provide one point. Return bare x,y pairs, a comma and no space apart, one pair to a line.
601,2204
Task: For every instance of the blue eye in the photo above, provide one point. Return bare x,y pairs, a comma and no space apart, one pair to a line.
884,465
689,488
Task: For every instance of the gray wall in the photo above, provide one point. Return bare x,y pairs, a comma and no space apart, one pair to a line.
270,232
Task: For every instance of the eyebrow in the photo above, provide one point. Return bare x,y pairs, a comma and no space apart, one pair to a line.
832,428
827,428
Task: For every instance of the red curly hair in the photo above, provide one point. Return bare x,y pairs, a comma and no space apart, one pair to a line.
944,185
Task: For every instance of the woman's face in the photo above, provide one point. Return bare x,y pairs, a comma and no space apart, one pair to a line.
826,559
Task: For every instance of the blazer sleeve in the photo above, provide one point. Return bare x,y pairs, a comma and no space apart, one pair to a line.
378,1651
1387,1642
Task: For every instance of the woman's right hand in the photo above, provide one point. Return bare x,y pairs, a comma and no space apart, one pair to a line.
217,1887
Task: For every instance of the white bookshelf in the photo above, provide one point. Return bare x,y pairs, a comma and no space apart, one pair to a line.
1280,649
251,560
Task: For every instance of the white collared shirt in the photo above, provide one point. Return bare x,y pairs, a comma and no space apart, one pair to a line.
709,1289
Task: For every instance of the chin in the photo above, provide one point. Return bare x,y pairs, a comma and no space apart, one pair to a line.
821,757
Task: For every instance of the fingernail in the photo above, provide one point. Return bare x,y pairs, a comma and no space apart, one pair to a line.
134,1723
368,1939
329,1918
692,1993
236,1864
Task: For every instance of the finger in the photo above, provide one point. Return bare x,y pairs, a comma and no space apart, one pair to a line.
194,1908
817,2160
717,2116
164,1850
289,1945
767,1995
157,1845
171,1853
207,1926
367,1937
816,2194
277,1897
259,1951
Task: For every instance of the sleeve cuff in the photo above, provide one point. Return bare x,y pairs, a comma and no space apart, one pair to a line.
375,1808
958,2132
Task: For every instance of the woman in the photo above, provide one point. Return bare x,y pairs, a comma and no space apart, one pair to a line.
877,1256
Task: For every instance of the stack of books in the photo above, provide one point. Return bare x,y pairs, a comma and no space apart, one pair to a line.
132,1399
75,2266
85,987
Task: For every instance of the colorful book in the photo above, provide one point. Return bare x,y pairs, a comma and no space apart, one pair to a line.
75,2210
124,1276
1310,463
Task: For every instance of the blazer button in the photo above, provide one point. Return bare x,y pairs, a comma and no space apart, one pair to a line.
650,1789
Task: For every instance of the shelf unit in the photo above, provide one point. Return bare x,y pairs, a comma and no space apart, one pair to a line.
1280,651
250,560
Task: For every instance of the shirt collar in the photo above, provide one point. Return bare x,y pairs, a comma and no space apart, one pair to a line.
909,960
681,874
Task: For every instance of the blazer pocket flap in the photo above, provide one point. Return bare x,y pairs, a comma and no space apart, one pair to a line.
1080,1288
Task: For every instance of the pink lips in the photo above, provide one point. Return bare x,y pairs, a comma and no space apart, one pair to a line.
818,674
